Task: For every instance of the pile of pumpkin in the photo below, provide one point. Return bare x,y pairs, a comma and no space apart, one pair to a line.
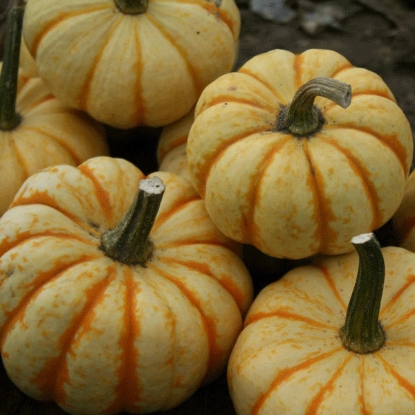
126,292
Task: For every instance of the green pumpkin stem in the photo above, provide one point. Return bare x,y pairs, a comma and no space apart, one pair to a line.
132,6
302,117
129,242
362,332
9,118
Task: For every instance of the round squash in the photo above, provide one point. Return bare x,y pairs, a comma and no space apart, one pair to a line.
171,148
404,219
306,349
108,308
36,129
288,170
130,63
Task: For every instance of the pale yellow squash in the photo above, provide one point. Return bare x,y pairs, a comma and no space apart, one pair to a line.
304,351
171,148
290,190
129,63
404,219
98,316
36,129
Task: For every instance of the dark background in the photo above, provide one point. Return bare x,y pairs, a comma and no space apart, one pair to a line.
376,34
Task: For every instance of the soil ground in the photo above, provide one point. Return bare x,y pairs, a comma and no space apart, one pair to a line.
377,35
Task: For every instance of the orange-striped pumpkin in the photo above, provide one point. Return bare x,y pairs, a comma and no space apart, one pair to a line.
36,129
289,190
404,219
93,330
292,356
131,62
171,148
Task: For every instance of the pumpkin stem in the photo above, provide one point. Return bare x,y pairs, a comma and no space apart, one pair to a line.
129,242
362,332
302,117
9,118
132,6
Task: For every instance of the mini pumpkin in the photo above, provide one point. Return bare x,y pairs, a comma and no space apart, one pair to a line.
306,349
283,167
404,219
108,308
171,148
130,63
36,129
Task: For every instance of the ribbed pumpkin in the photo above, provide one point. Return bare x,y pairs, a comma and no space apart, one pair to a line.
105,309
171,148
131,62
283,167
36,129
404,218
306,349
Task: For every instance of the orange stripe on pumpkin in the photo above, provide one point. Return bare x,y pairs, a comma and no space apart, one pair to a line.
313,406
216,355
285,374
225,281
54,375
128,389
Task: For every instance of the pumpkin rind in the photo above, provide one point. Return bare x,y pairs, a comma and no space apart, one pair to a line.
404,218
49,133
290,359
171,148
297,196
82,329
128,70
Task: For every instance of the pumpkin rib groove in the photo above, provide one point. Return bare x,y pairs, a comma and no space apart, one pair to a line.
227,284
180,205
164,150
255,189
313,406
404,383
127,393
197,83
340,69
286,374
231,244
85,89
389,142
230,99
101,193
208,323
33,47
267,85
298,70
25,237
19,155
319,201
44,198
25,110
395,299
38,284
62,144
359,169
221,150
57,368
140,106
218,13
330,282
287,315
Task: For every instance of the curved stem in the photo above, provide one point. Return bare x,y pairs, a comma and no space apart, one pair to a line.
129,242
362,332
9,118
302,117
132,6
